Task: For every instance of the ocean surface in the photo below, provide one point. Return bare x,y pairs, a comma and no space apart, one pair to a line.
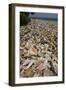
50,17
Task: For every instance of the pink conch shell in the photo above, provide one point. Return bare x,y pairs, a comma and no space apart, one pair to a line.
29,62
40,67
26,62
43,65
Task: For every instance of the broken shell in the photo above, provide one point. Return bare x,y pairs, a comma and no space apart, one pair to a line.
26,62
32,51
47,72
46,46
40,67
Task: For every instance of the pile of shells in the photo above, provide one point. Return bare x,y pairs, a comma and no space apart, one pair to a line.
38,49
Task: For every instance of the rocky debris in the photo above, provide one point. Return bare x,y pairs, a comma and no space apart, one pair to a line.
38,49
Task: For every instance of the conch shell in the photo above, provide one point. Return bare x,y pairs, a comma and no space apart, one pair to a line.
32,51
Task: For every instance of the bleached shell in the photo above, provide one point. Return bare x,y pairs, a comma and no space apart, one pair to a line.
32,51
47,72
55,67
46,46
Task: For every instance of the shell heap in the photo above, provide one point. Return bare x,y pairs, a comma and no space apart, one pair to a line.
38,49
